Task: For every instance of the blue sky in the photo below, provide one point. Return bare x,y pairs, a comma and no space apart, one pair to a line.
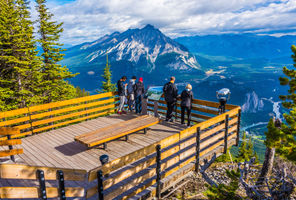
87,20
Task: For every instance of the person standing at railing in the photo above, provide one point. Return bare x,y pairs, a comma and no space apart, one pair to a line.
121,93
139,90
170,94
186,104
131,93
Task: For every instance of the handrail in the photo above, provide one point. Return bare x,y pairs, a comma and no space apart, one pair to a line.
43,117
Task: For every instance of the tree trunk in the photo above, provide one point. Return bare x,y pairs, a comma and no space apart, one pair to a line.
267,165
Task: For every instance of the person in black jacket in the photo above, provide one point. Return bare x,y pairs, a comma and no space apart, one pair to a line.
121,93
139,91
186,103
170,94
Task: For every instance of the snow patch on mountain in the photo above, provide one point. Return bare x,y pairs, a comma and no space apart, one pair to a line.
138,45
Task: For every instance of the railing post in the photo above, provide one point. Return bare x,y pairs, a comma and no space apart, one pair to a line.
100,185
42,186
226,133
197,149
158,168
30,121
10,148
238,126
155,109
62,191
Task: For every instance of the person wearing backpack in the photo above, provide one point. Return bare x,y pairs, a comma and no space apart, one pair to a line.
170,95
186,104
131,93
139,91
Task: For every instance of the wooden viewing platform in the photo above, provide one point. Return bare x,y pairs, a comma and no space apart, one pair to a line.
144,165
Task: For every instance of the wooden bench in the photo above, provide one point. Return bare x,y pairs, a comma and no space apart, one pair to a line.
115,131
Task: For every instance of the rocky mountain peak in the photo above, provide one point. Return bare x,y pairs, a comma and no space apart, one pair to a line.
142,48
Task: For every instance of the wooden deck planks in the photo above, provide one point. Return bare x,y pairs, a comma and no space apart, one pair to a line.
56,148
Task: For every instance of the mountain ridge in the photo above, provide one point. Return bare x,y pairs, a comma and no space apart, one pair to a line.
142,48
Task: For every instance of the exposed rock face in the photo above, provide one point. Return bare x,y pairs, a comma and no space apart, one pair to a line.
252,103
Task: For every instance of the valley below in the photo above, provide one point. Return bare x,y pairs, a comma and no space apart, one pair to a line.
248,65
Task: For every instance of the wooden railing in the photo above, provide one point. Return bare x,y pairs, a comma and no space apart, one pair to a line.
40,118
127,176
131,174
29,175
9,132
201,110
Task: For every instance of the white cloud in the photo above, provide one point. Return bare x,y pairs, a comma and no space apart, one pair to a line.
91,19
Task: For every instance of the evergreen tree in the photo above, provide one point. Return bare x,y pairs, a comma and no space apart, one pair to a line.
107,85
54,86
255,155
19,64
243,153
81,92
287,146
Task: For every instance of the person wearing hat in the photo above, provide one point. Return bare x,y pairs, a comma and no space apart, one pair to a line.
131,93
170,95
186,104
139,91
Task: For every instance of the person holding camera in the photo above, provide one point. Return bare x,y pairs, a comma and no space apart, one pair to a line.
170,94
186,104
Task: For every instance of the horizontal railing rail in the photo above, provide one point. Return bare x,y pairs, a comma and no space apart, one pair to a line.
37,178
44,117
201,110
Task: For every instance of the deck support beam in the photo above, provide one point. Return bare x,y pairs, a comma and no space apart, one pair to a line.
100,185
62,191
158,168
226,134
42,186
238,126
197,149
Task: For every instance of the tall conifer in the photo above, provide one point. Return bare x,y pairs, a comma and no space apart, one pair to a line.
107,85
19,66
54,85
287,146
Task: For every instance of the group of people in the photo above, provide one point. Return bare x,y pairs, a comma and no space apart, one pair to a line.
133,93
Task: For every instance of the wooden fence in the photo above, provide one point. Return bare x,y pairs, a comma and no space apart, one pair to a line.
43,117
36,179
127,176
201,110
131,174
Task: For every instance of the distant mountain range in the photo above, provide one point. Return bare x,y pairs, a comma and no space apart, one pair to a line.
243,46
138,49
